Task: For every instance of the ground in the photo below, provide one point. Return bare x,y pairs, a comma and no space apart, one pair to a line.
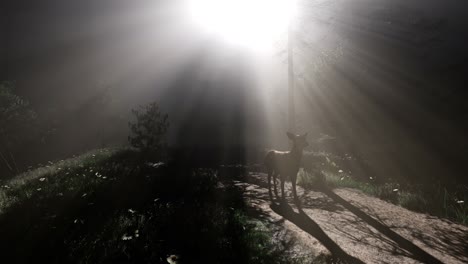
356,228
112,206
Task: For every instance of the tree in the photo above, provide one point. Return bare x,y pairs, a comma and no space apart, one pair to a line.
147,133
18,123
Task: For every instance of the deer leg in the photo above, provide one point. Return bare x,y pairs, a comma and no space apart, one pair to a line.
282,189
269,185
274,183
293,181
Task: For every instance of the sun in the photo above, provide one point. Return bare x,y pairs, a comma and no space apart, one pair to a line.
255,24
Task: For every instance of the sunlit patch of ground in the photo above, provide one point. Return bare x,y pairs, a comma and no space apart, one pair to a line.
347,224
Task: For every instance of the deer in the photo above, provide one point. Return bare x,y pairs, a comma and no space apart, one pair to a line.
285,164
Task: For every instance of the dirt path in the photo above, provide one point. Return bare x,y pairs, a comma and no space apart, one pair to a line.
356,228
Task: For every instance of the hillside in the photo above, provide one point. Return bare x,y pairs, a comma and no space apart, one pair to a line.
115,206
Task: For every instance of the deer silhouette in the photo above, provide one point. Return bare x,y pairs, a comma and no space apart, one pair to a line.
285,164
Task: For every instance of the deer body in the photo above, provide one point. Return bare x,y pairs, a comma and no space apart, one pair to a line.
285,164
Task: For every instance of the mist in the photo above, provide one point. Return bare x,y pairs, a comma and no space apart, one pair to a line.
365,75
167,135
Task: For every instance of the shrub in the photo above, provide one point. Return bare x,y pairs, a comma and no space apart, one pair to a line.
18,124
147,133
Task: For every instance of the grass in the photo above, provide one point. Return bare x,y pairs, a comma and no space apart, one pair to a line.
435,199
112,206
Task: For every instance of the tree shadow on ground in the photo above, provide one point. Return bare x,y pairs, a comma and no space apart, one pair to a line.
362,232
453,242
445,238
414,251
366,223
303,221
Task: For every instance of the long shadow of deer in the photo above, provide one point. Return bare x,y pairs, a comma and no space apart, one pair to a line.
303,221
285,164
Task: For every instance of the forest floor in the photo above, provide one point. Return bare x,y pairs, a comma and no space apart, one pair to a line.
353,227
111,206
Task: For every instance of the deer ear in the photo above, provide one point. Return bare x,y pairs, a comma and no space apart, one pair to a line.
290,135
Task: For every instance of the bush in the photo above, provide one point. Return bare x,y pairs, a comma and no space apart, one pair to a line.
18,124
147,133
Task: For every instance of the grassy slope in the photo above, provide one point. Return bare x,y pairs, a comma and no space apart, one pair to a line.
109,206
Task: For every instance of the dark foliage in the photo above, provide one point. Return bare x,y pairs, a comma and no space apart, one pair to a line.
18,124
118,208
149,129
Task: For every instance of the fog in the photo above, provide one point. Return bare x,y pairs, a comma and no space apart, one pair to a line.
384,78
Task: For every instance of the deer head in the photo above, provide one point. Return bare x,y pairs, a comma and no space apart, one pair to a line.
299,141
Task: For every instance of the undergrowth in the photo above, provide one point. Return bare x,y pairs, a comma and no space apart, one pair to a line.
113,206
